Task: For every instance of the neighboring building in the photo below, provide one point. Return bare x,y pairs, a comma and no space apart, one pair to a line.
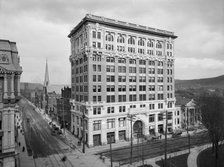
64,107
33,92
120,70
10,72
190,112
52,104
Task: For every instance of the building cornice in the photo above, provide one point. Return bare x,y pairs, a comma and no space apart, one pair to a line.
122,25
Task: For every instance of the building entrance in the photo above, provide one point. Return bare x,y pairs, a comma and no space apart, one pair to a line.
160,128
96,140
110,137
137,128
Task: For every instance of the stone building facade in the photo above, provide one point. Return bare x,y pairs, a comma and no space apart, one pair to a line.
190,113
10,72
119,71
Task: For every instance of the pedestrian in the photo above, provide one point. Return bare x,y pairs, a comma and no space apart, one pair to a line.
19,144
160,136
23,148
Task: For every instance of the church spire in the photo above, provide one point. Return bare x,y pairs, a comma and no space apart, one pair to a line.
46,79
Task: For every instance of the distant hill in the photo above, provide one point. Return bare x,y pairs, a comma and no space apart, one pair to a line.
33,86
56,88
208,83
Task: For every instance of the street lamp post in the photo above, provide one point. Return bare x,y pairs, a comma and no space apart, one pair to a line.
111,159
131,120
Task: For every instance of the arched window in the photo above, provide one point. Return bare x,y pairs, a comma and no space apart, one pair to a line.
141,42
109,37
170,46
158,45
131,40
150,44
120,39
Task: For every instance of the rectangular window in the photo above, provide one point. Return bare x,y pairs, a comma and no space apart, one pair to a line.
151,96
110,78
151,106
110,68
122,122
151,117
94,78
122,98
94,34
160,105
110,88
132,98
99,88
110,59
110,110
121,108
99,68
96,110
122,88
96,125
94,88
132,78
121,60
110,123
99,78
160,117
121,78
170,114
110,98
99,35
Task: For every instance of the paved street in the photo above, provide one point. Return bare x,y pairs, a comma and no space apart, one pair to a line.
47,150
154,149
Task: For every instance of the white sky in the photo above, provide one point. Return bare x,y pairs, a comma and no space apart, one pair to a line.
40,29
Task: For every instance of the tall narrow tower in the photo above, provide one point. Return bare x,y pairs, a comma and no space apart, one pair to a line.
46,83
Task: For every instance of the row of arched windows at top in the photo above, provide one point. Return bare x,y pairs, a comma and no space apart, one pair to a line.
131,41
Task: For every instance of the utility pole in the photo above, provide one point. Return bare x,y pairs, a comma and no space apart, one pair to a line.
131,140
189,146
166,142
142,153
83,135
111,159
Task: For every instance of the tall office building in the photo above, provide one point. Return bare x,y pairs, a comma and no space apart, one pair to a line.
120,71
10,72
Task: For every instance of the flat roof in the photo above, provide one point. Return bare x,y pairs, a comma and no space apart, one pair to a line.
121,24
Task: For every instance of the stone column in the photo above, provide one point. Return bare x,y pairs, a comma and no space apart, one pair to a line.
90,133
12,86
116,130
18,85
5,87
156,123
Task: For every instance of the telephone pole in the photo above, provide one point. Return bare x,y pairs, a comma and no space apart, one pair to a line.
165,163
111,159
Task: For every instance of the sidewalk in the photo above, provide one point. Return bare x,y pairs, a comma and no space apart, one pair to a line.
192,158
25,160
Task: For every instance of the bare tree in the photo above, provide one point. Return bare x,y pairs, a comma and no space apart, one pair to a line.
212,112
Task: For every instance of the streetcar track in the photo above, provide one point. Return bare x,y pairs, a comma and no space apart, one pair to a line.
174,145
